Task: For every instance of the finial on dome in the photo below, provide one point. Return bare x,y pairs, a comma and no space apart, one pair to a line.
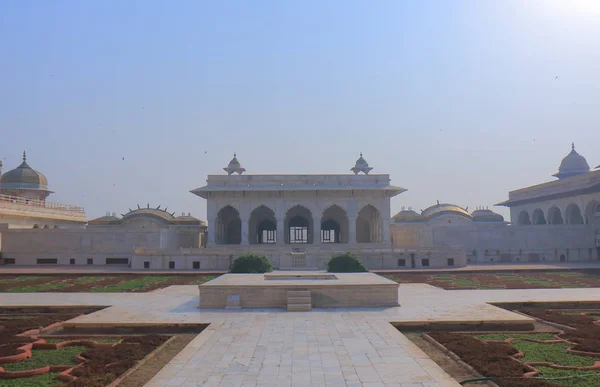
572,146
24,156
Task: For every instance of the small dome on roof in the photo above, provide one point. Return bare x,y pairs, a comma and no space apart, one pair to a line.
573,164
105,219
154,212
189,219
234,166
445,209
486,215
406,216
361,165
24,177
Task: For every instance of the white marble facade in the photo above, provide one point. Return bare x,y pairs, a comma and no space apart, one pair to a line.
357,207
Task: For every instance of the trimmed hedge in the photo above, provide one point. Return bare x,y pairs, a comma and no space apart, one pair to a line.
251,263
345,263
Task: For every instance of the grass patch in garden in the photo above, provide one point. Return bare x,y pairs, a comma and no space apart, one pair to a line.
551,353
44,380
464,282
15,317
53,340
571,378
132,284
53,285
203,280
47,357
504,336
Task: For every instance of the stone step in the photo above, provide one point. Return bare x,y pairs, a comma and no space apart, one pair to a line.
298,293
299,307
293,268
298,300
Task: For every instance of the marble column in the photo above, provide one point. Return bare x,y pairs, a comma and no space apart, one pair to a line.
211,233
352,230
317,231
245,231
280,218
386,231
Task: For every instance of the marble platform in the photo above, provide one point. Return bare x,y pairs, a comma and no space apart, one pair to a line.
328,290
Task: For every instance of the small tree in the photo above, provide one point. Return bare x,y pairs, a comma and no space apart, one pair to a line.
251,263
345,263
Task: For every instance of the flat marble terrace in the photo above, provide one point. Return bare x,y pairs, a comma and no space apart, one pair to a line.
327,289
325,347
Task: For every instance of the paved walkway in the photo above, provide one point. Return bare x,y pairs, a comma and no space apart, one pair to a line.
326,347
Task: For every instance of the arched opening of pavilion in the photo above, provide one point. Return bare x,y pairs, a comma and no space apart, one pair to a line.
334,225
368,225
591,209
538,217
524,218
229,227
298,225
573,214
263,226
555,216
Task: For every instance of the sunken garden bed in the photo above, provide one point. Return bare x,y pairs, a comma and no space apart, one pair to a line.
34,353
564,350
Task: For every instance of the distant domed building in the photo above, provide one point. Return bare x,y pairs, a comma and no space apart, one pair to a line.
486,215
23,194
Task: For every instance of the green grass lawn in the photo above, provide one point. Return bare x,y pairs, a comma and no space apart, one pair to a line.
552,353
54,285
44,357
129,285
44,380
53,340
504,336
571,378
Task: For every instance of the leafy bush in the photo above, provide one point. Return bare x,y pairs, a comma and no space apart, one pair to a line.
345,263
251,263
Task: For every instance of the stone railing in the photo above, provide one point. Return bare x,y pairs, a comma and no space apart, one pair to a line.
40,206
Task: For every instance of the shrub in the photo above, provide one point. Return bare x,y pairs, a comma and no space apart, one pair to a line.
345,263
251,263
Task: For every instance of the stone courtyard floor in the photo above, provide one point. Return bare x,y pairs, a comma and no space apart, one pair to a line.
325,347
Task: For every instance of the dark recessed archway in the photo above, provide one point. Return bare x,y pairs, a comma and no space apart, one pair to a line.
368,225
262,226
555,216
573,214
298,225
524,218
538,217
228,227
334,225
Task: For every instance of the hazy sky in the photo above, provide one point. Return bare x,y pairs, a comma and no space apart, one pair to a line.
457,100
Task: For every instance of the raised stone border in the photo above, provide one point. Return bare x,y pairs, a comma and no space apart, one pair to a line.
268,291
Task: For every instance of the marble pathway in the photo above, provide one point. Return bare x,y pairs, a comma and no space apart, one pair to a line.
325,347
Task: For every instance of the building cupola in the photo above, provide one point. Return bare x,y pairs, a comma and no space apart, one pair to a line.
361,165
573,164
234,166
